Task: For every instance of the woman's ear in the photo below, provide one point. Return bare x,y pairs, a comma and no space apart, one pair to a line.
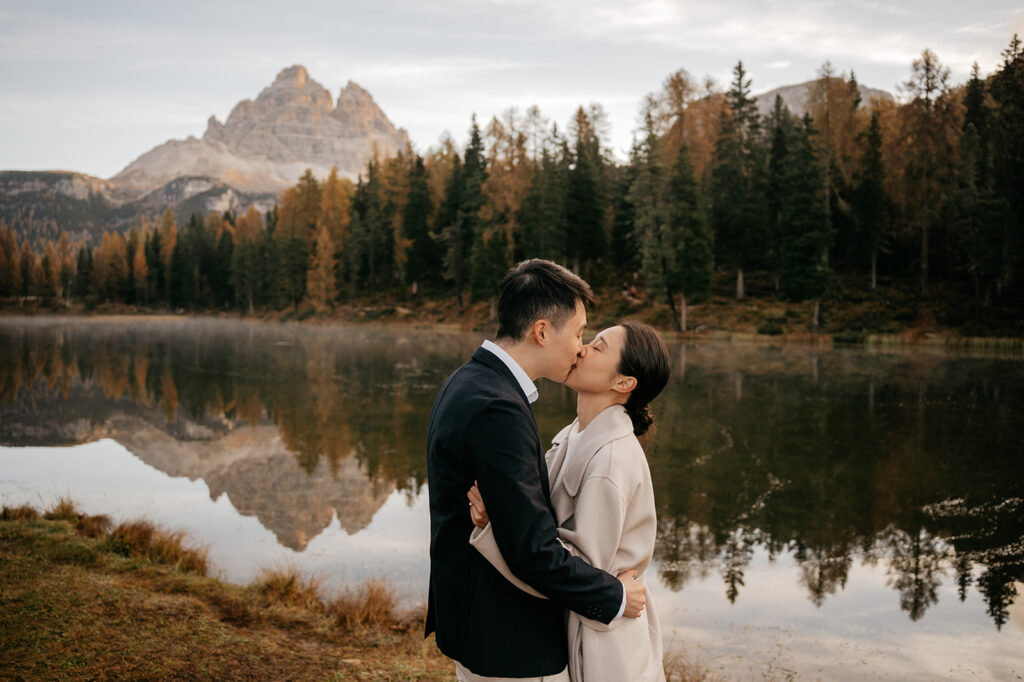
624,384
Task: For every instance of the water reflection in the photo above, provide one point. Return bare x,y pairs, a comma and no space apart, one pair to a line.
838,458
295,424
904,460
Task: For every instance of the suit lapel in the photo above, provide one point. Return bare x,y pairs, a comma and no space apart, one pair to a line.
492,361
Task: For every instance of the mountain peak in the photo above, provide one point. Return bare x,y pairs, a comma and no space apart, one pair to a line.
265,144
295,76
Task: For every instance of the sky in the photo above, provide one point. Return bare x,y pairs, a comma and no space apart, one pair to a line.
90,86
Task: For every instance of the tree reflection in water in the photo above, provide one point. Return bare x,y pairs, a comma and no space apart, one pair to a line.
908,460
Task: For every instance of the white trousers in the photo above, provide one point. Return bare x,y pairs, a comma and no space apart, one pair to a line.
464,674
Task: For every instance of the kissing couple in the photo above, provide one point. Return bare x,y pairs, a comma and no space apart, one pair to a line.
541,576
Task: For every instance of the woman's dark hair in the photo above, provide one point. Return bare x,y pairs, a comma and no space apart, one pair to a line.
645,358
535,289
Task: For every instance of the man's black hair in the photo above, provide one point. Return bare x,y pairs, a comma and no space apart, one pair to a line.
538,289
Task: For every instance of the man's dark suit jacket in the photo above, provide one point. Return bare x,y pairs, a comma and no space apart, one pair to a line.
482,429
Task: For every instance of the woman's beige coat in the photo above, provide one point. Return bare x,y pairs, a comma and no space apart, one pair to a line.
604,506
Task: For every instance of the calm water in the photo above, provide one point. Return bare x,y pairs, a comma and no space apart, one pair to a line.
836,514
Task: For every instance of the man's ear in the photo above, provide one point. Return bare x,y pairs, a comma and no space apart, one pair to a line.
540,332
624,384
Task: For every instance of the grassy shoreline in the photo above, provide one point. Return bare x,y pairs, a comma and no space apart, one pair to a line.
754,321
83,598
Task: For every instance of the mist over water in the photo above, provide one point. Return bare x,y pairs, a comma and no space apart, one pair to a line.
830,512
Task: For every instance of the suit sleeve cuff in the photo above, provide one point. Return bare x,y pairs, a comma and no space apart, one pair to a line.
622,608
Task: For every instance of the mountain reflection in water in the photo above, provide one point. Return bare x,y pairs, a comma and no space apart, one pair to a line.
908,461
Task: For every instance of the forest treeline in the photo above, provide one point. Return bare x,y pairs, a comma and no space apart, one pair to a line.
928,193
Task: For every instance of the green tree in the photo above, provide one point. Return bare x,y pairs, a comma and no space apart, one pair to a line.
422,262
687,256
738,183
464,230
585,197
871,205
803,221
245,270
1007,90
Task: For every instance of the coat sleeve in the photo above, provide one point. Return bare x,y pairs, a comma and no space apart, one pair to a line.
505,446
483,540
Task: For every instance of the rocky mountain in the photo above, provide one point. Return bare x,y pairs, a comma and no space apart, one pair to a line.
267,143
795,97
38,205
262,149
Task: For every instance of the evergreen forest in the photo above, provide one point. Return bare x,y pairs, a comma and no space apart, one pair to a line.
923,195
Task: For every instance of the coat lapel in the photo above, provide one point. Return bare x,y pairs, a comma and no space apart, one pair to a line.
612,424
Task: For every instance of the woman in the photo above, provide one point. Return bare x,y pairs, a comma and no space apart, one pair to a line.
602,495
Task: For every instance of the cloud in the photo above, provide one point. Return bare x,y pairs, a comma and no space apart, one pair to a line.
871,32
783,64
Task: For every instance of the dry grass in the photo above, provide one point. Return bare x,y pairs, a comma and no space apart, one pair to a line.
63,510
144,540
371,605
22,513
290,587
73,607
94,526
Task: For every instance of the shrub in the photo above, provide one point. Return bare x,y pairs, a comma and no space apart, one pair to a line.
769,328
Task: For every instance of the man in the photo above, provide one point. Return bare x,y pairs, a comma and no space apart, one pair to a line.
482,429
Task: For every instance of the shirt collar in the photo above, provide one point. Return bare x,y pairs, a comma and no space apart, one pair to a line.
529,388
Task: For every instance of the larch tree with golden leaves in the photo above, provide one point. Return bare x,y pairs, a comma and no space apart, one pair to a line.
321,278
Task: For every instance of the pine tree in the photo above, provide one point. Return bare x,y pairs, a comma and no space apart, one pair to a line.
781,125
979,216
543,213
624,252
245,270
83,273
585,201
870,203
298,212
67,265
1007,90
422,263
464,230
168,242
50,266
738,183
688,254
156,271
803,220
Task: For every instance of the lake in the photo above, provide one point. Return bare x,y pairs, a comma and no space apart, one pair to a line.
823,513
